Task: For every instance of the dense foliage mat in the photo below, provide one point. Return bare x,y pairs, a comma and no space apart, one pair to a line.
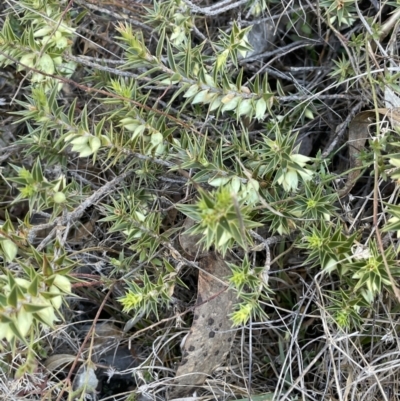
199,200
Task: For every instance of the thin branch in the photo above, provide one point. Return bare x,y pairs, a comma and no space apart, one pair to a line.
85,61
341,128
75,214
114,15
215,9
281,51
266,242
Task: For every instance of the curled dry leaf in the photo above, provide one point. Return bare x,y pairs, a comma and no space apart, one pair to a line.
358,134
211,335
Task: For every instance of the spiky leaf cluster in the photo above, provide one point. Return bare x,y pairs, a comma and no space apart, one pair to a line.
221,219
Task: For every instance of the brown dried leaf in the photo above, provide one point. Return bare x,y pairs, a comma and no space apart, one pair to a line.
210,337
358,134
